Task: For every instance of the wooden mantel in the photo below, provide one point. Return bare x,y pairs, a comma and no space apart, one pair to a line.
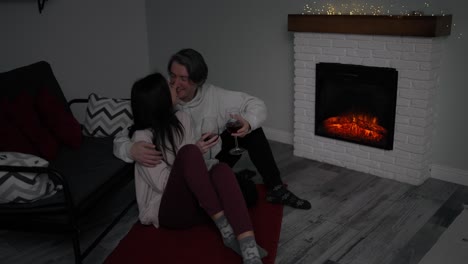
419,26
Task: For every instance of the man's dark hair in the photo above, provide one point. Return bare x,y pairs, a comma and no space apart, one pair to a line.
193,62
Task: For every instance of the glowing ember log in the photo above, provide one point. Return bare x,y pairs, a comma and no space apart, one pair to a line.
356,127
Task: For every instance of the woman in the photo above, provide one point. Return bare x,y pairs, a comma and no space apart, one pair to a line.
180,192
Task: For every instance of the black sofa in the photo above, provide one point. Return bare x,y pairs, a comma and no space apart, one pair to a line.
88,174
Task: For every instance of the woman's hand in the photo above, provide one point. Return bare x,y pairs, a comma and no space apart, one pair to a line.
146,154
203,145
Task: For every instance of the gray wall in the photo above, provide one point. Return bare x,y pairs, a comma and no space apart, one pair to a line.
451,139
248,48
103,46
245,43
92,46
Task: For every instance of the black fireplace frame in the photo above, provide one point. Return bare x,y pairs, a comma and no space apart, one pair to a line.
348,86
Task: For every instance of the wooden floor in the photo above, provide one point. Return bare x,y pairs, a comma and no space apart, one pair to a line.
355,218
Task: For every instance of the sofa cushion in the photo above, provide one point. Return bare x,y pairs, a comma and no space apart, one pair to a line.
12,139
30,79
23,187
105,117
89,168
61,122
22,114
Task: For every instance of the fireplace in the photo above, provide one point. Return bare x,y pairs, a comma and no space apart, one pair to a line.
356,103
408,50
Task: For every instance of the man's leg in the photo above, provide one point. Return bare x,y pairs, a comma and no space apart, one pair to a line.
259,151
223,155
261,155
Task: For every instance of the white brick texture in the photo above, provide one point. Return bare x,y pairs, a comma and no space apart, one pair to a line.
417,61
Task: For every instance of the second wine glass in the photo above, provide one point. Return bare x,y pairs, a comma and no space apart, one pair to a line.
232,126
209,126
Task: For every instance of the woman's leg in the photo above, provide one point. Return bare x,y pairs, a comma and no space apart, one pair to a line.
231,199
216,192
235,215
188,188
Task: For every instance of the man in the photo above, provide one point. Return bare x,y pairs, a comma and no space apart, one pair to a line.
188,73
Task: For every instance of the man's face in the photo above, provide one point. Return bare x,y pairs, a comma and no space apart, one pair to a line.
179,79
173,91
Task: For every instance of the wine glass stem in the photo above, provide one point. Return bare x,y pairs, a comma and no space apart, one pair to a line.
237,146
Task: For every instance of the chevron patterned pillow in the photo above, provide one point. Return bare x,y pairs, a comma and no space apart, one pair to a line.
105,117
23,187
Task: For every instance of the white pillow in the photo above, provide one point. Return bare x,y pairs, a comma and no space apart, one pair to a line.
105,117
24,187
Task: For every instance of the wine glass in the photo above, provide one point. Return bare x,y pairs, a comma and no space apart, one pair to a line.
232,125
209,126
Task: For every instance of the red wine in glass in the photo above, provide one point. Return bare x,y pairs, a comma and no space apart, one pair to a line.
209,128
233,125
210,137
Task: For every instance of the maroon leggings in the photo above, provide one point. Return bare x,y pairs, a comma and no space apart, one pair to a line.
193,194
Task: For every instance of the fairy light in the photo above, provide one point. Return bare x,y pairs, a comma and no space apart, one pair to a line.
460,34
352,7
345,9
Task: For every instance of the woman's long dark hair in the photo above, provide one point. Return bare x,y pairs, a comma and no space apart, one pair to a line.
153,109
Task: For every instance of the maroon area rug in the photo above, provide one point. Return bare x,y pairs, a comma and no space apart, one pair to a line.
201,244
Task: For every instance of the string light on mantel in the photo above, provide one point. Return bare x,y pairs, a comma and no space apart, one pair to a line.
344,9
354,8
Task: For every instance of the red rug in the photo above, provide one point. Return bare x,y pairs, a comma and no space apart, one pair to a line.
201,244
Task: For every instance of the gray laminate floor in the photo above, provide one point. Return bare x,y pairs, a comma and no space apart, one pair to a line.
355,218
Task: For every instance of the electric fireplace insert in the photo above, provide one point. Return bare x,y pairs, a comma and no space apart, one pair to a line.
356,103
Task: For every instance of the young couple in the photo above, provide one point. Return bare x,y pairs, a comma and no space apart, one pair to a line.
175,189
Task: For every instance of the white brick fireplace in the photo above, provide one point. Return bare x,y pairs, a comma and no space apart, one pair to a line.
417,60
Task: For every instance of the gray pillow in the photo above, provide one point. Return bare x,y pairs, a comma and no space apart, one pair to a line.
105,117
23,187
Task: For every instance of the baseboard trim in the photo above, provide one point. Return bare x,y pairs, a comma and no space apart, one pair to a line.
278,135
437,171
449,174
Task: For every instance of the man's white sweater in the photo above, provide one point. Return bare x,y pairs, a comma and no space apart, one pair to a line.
212,101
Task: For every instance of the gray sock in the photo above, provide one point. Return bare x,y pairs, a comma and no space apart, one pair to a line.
251,251
229,238
263,252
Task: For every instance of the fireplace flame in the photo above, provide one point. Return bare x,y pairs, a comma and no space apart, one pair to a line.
361,127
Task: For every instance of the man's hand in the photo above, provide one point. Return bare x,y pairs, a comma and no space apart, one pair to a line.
244,130
203,145
145,153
